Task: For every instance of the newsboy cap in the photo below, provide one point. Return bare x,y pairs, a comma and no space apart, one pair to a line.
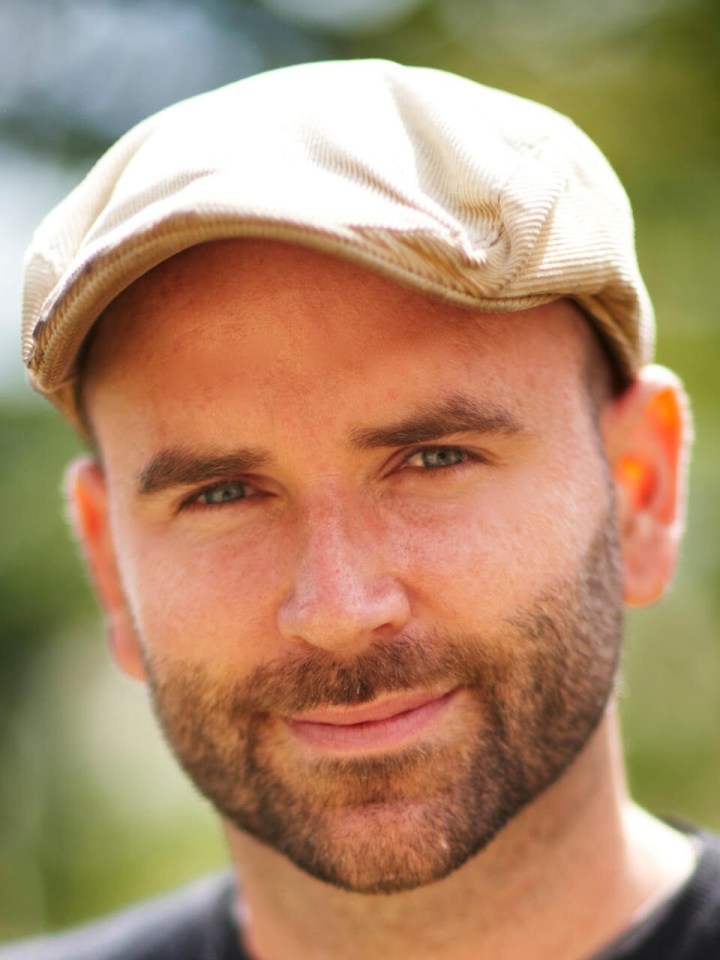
456,190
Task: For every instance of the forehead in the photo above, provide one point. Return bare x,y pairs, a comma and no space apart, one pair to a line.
280,318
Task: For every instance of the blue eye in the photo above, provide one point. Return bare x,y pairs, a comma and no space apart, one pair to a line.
436,457
223,493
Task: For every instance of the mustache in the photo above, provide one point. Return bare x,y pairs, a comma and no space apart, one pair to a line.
308,678
318,678
315,678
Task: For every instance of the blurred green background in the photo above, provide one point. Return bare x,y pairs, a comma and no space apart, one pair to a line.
92,811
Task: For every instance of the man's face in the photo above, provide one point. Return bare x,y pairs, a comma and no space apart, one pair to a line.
366,549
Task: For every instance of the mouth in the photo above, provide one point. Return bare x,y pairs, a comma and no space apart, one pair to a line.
380,725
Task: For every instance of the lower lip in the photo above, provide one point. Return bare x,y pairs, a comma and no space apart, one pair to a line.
375,734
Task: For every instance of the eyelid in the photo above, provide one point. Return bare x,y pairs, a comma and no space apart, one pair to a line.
470,454
192,499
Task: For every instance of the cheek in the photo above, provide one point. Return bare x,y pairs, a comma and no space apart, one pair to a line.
465,561
192,598
489,553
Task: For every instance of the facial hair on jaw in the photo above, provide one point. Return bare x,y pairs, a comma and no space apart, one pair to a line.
538,688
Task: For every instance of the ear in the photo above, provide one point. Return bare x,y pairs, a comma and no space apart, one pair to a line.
87,501
647,433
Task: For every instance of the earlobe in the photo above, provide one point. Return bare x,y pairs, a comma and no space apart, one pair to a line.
86,494
647,432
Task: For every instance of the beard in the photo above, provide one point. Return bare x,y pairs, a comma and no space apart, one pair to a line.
533,692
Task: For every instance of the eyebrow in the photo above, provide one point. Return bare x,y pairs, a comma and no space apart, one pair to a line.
457,414
179,467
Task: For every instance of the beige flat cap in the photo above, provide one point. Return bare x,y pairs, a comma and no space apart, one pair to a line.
459,191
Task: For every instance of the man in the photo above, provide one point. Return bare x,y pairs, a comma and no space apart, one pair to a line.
362,355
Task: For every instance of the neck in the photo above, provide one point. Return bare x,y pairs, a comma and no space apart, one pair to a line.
581,850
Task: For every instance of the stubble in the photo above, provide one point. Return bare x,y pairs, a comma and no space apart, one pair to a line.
533,693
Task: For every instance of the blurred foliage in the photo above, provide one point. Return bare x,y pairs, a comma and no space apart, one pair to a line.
92,812
41,582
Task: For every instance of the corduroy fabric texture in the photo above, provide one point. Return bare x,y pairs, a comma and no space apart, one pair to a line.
457,190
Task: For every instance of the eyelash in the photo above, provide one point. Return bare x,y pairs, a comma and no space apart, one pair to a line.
194,500
466,458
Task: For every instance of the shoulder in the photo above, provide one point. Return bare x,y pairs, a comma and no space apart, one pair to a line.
687,927
194,922
700,908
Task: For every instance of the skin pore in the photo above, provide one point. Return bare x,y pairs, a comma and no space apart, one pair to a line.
337,493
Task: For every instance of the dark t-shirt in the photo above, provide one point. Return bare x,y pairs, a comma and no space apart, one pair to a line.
194,923
684,927
197,923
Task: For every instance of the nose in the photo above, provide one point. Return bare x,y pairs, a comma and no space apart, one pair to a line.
342,596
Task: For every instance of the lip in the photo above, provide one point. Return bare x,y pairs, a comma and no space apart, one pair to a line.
372,726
